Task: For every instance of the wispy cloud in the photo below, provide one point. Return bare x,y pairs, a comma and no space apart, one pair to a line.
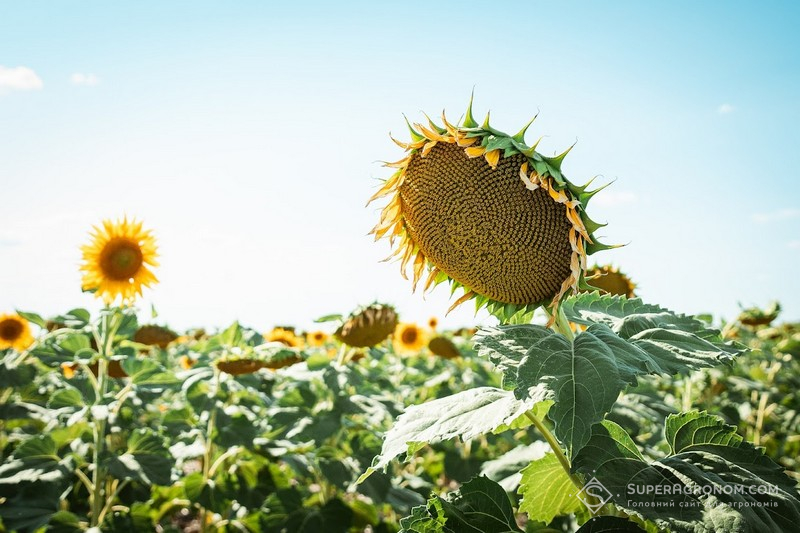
613,198
80,78
18,79
794,245
725,109
774,216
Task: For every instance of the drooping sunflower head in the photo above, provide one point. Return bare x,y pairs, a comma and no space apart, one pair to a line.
117,262
481,209
755,316
15,332
610,280
153,335
368,326
443,347
408,339
285,336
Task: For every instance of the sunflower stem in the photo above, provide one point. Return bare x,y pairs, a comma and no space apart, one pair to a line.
561,323
556,447
109,326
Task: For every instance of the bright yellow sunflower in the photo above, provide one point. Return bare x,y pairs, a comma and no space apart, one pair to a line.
115,263
15,332
285,336
408,339
479,208
317,338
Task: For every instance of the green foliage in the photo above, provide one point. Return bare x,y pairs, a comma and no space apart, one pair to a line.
547,491
479,505
466,415
711,478
177,443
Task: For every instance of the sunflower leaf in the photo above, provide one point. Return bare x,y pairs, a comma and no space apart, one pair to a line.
678,342
466,414
711,481
547,491
585,375
479,505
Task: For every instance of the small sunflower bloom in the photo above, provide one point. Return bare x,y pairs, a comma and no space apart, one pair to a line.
317,338
284,336
117,261
408,339
15,332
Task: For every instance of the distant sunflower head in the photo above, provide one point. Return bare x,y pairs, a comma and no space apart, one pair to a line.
117,262
433,322
316,338
152,335
408,339
15,332
754,316
443,347
237,367
285,336
609,280
368,326
481,209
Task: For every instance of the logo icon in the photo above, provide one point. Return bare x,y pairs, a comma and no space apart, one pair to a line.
594,495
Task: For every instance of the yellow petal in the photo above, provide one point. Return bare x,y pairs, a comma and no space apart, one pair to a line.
493,157
475,151
460,301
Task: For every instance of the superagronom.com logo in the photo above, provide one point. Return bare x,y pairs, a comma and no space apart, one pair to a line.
594,495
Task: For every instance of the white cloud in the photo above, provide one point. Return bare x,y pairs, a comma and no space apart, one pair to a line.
794,245
79,78
18,79
724,109
773,216
612,198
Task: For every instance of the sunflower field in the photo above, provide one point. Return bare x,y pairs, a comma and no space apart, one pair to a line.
582,408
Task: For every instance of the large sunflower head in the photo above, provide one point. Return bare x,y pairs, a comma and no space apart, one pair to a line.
478,207
15,332
116,263
610,280
368,326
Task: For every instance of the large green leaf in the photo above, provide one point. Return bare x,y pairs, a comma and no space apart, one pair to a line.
584,376
35,460
147,373
13,376
146,459
547,491
480,506
678,342
466,414
581,376
712,481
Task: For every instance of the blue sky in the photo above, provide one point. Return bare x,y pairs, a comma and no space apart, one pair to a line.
248,137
